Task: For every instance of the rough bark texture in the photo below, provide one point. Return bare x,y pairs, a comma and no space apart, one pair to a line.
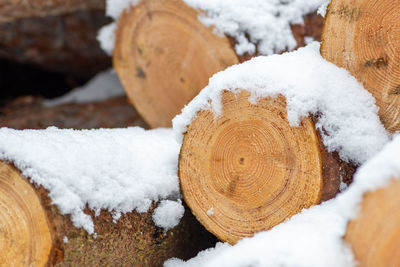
13,9
133,240
29,112
64,43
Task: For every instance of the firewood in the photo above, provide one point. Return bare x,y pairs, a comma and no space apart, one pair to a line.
12,10
249,170
34,233
164,56
68,46
374,235
363,37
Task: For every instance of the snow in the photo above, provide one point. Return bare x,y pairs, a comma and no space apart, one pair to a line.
103,86
210,212
313,237
168,214
114,8
65,239
259,24
347,114
106,37
262,25
323,8
118,170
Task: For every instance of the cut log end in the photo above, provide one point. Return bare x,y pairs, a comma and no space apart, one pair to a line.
364,37
375,235
34,233
25,238
249,170
164,56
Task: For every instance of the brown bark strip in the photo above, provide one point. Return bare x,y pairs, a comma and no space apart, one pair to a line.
14,9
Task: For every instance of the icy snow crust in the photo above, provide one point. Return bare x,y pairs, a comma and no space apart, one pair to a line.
264,24
118,170
312,238
346,111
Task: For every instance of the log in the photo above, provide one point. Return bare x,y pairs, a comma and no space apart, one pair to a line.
29,113
363,37
164,56
374,235
249,170
69,46
12,10
34,233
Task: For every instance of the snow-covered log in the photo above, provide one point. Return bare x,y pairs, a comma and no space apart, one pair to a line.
251,156
165,51
11,10
363,37
374,235
34,233
249,170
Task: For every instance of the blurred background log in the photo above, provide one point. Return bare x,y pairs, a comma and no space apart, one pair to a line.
12,10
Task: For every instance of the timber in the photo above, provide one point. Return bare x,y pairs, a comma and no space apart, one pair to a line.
249,170
68,46
11,10
374,235
363,36
34,233
164,56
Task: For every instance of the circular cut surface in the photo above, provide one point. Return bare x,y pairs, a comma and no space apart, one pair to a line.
375,235
25,238
248,170
164,56
363,36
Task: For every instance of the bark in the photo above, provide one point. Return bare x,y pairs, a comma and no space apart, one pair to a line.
34,233
65,43
249,165
13,10
29,112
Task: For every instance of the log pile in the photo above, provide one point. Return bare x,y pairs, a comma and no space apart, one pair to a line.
164,56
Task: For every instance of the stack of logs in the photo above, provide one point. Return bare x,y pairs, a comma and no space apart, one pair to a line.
164,56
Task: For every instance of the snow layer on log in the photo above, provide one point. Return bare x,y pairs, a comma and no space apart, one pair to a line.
103,86
262,25
259,24
119,170
346,112
314,237
168,214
